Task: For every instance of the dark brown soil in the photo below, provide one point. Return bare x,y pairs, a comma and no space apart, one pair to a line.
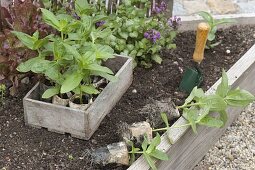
23,147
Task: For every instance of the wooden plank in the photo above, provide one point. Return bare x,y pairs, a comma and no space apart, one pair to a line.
113,91
191,22
190,148
78,123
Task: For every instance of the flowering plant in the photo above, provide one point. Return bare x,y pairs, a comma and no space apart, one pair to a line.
139,35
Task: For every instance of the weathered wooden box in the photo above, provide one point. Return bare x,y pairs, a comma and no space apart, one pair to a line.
80,124
189,148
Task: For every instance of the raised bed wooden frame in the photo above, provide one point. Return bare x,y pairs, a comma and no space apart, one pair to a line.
189,148
80,124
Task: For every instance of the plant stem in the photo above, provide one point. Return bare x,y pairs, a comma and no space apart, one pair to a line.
80,95
172,127
139,152
189,105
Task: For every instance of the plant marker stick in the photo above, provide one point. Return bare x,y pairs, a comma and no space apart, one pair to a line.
201,38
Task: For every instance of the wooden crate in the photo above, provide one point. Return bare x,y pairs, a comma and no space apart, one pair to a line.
80,124
189,148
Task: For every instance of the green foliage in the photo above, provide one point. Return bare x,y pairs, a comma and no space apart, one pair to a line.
130,23
149,151
213,23
76,52
197,106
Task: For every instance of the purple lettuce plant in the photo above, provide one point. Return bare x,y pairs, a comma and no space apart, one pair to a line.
174,22
152,35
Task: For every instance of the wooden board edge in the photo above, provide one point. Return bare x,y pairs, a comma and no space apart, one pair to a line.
241,65
190,22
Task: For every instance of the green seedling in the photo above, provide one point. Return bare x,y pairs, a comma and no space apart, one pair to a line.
198,106
76,52
214,26
149,151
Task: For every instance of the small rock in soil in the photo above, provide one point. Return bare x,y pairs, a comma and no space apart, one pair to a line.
153,110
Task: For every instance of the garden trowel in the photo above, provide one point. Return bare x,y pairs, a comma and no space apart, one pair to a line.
193,76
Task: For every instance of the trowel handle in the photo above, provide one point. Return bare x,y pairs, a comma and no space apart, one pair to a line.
201,38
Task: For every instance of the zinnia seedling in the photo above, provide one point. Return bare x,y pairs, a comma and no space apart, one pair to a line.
213,25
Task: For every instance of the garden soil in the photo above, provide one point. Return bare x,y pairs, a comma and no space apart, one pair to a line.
24,147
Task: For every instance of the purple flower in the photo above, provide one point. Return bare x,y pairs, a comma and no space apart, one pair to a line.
159,7
174,22
152,35
100,23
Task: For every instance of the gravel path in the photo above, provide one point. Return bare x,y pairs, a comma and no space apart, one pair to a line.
235,150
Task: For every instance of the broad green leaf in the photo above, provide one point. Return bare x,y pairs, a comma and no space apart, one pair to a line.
239,98
53,73
145,143
123,35
50,19
105,75
150,161
206,16
223,87
203,112
81,6
133,34
40,66
214,44
224,21
96,67
215,102
191,115
211,36
39,43
211,122
89,89
26,39
71,82
50,92
154,143
165,119
72,50
27,65
223,117
156,58
171,46
159,155
195,93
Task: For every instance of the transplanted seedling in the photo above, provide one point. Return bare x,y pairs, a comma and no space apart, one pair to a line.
213,25
149,151
198,106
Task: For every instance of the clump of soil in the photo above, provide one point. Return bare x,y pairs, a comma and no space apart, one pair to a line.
24,147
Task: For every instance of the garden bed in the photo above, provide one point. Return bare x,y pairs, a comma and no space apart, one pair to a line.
29,148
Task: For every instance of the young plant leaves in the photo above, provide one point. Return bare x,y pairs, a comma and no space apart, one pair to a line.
223,117
50,92
191,115
223,87
239,98
215,102
71,82
51,19
159,155
211,122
